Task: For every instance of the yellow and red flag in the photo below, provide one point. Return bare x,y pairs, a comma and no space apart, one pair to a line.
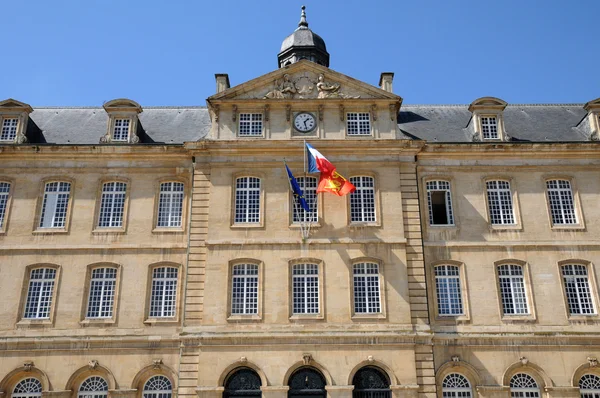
335,183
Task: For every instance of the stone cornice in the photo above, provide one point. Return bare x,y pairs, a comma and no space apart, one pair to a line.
57,150
103,247
510,149
64,343
501,340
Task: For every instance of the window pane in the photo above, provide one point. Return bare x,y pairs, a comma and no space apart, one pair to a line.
309,189
358,123
247,200
251,124
9,129
362,201
164,292
102,293
448,291
489,127
500,202
39,293
244,289
577,290
512,290
439,203
121,130
4,191
560,197
305,281
366,288
112,204
170,204
54,205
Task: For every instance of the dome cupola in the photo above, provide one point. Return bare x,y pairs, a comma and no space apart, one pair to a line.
303,44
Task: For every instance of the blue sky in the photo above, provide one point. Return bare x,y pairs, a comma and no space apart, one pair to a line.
83,53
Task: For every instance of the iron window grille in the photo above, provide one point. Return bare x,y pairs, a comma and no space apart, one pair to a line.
456,385
362,201
55,205
102,293
158,387
112,205
367,298
512,290
121,130
308,185
489,127
243,383
523,386
448,290
39,293
562,205
9,129
251,125
577,289
589,386
500,203
247,200
439,202
93,387
305,282
163,298
4,192
170,204
244,289
371,382
358,123
28,388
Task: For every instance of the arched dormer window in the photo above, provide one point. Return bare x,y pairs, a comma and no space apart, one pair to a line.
14,116
123,122
487,123
593,119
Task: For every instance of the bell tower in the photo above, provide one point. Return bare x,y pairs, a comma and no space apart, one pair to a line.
303,44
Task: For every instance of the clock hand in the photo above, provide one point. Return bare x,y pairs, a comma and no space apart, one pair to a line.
304,122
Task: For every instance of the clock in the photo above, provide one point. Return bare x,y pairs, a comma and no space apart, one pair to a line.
305,122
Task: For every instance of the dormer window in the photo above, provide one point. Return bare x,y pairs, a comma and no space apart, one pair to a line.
9,129
487,122
14,116
123,122
591,125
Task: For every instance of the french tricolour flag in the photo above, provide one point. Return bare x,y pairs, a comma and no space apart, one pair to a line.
317,162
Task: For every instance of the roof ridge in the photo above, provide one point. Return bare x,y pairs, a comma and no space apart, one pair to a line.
99,107
467,105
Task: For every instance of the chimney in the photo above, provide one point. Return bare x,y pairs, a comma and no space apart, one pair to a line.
385,81
222,82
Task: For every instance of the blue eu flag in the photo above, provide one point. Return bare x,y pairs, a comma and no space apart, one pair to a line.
296,189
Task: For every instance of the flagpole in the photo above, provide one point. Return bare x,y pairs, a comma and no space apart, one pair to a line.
304,157
295,202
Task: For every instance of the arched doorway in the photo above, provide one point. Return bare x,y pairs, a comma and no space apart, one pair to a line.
307,382
242,383
371,382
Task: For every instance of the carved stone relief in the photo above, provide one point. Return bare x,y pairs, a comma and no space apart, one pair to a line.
304,86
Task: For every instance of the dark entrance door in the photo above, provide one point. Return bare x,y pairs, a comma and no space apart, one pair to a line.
370,382
242,383
307,383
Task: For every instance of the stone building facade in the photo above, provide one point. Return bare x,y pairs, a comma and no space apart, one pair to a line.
156,252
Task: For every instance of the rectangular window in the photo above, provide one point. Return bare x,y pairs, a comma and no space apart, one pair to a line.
512,290
251,125
4,192
366,288
309,189
449,295
244,289
102,293
560,198
247,200
163,297
362,201
577,289
305,281
500,204
55,205
112,205
170,204
39,293
489,127
9,129
439,202
358,123
121,130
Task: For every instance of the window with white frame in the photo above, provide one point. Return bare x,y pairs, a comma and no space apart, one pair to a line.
523,386
121,130
39,293
4,192
500,204
93,387
305,282
367,298
170,204
55,205
456,385
251,125
512,289
158,387
358,123
112,204
362,200
163,298
560,199
308,185
448,290
9,129
439,202
589,386
489,127
27,388
577,289
247,200
244,289
102,293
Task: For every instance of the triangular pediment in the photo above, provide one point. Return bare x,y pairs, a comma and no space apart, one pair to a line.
303,80
13,104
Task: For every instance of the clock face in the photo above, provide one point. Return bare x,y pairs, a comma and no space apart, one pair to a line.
305,122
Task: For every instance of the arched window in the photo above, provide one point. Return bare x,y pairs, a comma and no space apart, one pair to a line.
370,382
158,387
28,388
523,386
589,386
456,385
307,382
93,387
241,383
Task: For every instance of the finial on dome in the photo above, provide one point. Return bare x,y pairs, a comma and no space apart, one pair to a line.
303,24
